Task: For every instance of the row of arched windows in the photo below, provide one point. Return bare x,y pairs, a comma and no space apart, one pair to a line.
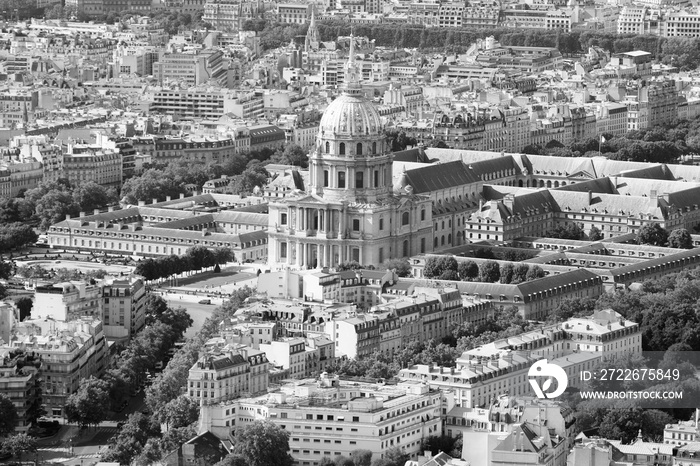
358,149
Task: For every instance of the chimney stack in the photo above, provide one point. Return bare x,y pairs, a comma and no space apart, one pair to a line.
182,195
82,214
96,211
142,203
155,200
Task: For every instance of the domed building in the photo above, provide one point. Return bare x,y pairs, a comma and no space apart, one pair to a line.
350,210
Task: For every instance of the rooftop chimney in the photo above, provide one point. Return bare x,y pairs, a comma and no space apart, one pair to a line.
96,211
142,203
155,200
82,214
182,195
167,198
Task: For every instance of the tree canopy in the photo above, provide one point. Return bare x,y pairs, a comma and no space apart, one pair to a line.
8,415
262,443
87,405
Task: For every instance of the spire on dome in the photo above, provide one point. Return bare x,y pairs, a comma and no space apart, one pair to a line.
352,78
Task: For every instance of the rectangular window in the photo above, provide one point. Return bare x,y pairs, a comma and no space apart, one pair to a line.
341,179
325,178
359,180
283,250
283,219
355,224
376,178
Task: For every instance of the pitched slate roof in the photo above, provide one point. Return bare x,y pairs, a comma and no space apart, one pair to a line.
439,176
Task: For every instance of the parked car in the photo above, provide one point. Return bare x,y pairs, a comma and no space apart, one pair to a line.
205,301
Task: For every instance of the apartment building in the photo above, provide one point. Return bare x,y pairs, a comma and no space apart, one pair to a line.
82,163
537,19
229,15
69,352
295,13
192,69
289,354
123,312
357,336
17,106
604,332
199,148
681,433
19,381
19,175
67,301
221,377
333,417
500,368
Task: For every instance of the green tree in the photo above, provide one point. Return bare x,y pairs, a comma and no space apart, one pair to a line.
87,405
402,266
19,444
246,182
534,272
507,270
652,233
361,457
468,270
53,207
129,441
24,304
8,415
262,443
594,234
15,235
572,307
680,238
489,271
437,266
292,154
180,412
570,231
152,184
625,423
237,460
351,265
520,273
90,196
396,456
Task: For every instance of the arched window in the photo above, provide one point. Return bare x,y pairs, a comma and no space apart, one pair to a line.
374,148
442,240
359,148
405,249
449,239
435,242
342,148
422,214
328,147
404,218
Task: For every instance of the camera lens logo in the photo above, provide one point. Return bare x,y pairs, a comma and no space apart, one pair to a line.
542,369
